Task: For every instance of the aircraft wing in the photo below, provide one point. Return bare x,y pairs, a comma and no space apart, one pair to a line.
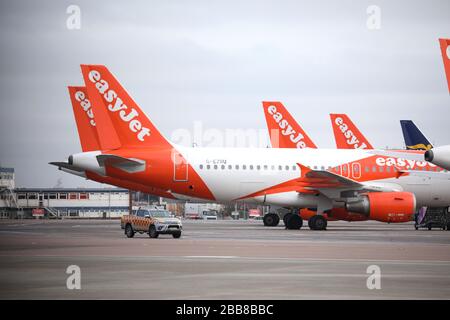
332,185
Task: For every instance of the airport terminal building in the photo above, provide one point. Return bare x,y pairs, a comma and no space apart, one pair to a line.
60,202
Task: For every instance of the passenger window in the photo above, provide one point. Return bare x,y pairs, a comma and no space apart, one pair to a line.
294,168
236,167
380,169
388,169
280,168
201,166
374,169
208,167
272,167
366,169
265,167
230,167
222,167
322,167
251,167
215,167
244,167
258,167
287,167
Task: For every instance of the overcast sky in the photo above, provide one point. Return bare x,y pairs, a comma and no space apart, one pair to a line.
214,62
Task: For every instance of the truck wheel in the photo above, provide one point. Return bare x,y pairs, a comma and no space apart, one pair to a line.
271,220
129,232
176,235
295,222
152,232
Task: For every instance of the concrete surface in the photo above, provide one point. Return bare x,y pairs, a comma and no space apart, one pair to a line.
222,260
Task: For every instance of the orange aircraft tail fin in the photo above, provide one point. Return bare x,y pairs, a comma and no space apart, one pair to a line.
346,134
445,50
133,127
284,131
84,118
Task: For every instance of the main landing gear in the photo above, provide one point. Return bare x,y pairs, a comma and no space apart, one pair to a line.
317,222
293,221
271,220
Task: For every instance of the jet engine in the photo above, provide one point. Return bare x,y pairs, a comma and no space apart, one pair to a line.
439,156
385,206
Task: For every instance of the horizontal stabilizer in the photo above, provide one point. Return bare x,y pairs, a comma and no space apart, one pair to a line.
129,165
66,166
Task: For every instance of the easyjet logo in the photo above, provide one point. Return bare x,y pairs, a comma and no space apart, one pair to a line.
350,137
127,114
399,162
286,128
80,96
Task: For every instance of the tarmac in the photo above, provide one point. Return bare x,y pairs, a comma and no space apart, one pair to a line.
223,260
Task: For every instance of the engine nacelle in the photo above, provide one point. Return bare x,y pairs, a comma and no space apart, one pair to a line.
439,156
385,206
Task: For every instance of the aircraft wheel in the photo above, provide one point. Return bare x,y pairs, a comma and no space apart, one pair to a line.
271,220
295,222
317,222
286,218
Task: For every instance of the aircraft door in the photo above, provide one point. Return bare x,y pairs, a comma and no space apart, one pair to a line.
180,167
356,170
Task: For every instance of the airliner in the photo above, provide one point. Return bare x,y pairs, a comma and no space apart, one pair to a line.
347,136
355,180
439,155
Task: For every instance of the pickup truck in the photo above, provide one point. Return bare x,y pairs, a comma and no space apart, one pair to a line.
153,222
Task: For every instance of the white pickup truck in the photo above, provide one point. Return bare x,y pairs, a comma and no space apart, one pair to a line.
151,221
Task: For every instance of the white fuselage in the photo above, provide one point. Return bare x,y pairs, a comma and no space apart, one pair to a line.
228,182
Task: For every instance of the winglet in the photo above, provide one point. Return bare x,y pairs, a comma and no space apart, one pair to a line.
304,170
401,172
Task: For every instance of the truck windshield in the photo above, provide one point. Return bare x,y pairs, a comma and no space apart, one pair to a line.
160,214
